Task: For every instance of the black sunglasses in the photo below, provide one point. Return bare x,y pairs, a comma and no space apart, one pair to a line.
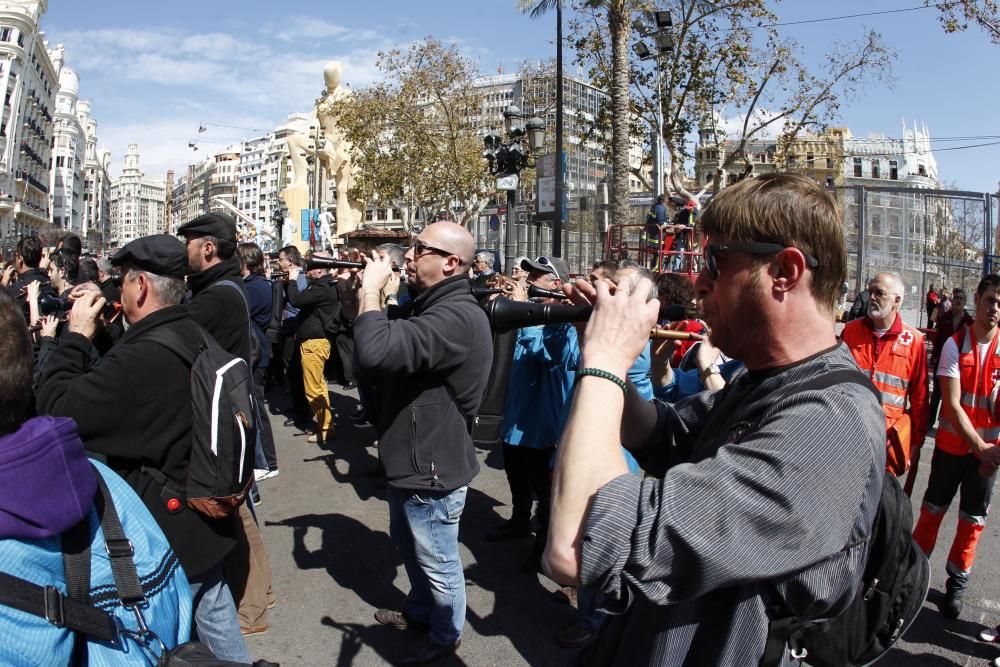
421,248
748,248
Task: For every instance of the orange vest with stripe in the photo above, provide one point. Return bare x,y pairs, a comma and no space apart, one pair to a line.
890,370
976,384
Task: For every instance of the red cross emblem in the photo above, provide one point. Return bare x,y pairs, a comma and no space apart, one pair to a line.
996,375
906,338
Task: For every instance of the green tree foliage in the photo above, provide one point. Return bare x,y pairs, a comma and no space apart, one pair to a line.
729,61
414,142
956,16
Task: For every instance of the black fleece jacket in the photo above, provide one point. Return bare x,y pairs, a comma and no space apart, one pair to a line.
220,309
430,365
134,409
317,303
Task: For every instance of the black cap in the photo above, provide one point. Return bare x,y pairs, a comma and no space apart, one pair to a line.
211,224
161,254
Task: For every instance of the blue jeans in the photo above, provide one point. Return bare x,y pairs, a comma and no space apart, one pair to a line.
424,527
215,616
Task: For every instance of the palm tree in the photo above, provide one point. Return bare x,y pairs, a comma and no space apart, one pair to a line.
619,12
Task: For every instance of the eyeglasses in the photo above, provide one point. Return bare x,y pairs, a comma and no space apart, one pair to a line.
749,248
421,248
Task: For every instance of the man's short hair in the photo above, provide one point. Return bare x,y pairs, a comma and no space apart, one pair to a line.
66,261
992,280
224,248
788,210
104,266
168,291
394,251
72,244
88,271
29,248
15,366
293,254
252,257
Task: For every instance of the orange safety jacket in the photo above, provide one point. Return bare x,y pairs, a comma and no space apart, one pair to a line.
896,363
976,384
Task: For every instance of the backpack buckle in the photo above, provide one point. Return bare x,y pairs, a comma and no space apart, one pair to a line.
119,548
54,612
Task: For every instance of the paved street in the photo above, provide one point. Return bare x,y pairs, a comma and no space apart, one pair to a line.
326,522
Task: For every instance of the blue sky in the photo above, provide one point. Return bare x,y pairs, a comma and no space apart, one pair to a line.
155,71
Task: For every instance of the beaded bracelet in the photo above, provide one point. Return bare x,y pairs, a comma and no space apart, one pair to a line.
600,373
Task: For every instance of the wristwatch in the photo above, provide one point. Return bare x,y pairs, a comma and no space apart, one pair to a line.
711,370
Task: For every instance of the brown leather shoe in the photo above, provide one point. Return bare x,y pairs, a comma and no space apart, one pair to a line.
397,619
259,630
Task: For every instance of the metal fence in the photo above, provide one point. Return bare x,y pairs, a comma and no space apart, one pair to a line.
943,238
939,238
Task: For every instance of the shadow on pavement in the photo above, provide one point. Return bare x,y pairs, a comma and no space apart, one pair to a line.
391,644
358,558
932,629
524,611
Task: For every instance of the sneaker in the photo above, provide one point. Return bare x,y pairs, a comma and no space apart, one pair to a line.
255,497
990,634
259,475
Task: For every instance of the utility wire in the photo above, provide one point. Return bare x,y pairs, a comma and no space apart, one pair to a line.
854,16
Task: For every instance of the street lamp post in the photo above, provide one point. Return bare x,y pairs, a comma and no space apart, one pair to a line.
506,159
664,42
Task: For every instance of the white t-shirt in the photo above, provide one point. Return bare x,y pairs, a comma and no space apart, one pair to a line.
948,365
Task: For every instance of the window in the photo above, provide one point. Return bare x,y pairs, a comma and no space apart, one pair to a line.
857,167
810,160
20,39
921,170
4,34
875,171
893,170
829,163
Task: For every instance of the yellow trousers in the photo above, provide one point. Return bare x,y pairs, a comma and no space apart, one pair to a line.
314,353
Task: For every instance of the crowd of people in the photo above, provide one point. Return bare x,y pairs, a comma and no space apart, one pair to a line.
670,457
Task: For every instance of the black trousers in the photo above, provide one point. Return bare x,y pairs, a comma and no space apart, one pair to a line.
293,374
529,477
951,474
344,342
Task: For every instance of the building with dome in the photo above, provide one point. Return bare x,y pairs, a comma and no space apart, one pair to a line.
138,204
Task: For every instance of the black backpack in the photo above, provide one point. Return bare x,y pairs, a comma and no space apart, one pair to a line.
893,586
224,431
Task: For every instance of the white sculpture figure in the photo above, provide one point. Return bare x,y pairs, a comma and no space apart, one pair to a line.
334,152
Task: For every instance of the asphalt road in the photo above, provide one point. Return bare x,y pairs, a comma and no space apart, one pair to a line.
325,523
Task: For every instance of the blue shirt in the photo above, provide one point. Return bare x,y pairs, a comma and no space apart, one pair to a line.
541,380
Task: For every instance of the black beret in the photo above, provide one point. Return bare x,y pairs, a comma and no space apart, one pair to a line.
211,224
161,254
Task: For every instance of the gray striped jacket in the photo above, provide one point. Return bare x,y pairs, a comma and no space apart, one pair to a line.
764,491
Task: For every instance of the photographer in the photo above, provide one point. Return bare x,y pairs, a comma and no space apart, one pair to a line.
319,318
134,409
110,284
27,257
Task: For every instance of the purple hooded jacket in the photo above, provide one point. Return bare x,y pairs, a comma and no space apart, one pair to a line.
46,481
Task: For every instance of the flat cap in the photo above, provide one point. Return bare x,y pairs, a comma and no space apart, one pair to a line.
211,224
160,254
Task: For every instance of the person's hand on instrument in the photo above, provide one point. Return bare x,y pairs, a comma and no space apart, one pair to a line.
618,329
86,313
49,325
378,270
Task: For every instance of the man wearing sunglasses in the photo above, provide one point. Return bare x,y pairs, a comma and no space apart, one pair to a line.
761,493
429,361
